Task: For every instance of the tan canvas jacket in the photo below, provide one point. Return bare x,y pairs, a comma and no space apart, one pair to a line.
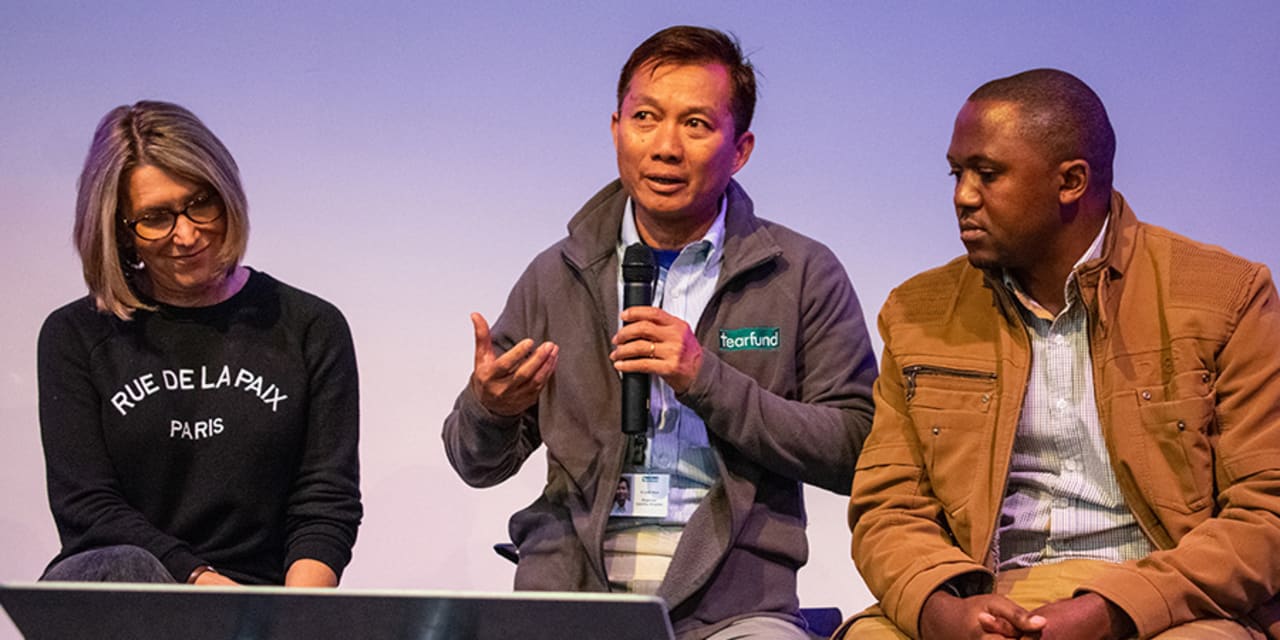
1186,363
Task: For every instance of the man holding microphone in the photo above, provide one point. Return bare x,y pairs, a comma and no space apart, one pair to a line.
755,344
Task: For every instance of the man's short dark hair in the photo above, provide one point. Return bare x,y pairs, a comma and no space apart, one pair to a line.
698,45
1061,113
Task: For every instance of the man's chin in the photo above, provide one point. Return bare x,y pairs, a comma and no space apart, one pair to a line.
661,208
984,261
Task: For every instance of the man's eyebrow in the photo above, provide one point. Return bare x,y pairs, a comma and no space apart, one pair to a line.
970,159
702,109
646,99
640,98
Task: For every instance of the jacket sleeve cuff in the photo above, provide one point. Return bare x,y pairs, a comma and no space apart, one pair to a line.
700,390
480,444
969,584
475,413
906,614
1135,595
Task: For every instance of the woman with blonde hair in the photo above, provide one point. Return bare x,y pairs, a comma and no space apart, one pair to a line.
199,418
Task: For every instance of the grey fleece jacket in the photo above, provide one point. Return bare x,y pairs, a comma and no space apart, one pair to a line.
777,417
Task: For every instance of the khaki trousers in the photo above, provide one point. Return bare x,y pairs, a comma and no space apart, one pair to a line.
1040,585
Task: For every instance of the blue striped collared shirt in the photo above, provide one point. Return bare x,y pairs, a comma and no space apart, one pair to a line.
638,550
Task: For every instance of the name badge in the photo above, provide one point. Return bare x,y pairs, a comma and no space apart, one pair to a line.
642,495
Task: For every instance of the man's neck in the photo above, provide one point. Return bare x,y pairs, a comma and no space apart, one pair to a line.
1047,288
673,234
1046,280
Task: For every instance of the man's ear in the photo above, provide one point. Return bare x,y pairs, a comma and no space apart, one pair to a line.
742,147
1074,176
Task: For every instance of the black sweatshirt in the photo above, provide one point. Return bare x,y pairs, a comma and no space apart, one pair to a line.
223,435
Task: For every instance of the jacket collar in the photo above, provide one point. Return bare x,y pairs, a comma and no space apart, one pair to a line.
1118,246
1102,281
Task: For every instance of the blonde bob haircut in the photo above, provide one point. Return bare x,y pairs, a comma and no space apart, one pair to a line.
165,136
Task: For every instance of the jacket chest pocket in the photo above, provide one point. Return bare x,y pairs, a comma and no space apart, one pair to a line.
1179,430
952,410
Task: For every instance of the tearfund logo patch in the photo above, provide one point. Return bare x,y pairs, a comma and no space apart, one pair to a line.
749,338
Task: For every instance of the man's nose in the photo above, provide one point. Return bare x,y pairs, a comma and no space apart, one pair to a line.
668,145
965,196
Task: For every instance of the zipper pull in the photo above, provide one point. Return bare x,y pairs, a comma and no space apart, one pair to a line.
911,372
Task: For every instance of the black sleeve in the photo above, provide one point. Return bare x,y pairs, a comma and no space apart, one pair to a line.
324,509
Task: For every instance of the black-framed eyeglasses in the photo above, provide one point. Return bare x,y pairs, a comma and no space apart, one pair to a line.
157,224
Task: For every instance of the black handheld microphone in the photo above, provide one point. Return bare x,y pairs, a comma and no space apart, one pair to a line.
638,275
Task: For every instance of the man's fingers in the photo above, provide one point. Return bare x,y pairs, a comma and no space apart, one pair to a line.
651,366
642,330
548,367
508,363
484,347
996,625
640,348
1020,618
1030,622
644,314
530,363
509,383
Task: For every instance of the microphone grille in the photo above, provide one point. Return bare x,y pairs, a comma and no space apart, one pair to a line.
638,264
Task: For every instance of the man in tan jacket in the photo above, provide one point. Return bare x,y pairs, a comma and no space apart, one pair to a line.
1077,428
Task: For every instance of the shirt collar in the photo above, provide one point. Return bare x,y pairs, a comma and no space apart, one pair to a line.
711,244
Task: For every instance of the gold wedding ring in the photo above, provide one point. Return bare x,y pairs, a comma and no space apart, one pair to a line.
653,348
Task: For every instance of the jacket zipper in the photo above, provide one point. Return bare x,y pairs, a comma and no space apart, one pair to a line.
914,370
910,374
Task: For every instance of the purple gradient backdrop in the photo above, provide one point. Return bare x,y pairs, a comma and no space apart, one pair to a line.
406,160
